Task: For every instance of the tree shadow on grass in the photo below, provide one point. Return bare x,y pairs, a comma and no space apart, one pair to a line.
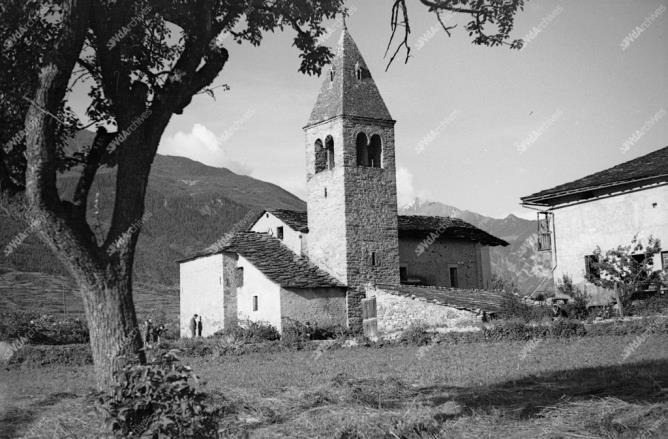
644,383
16,419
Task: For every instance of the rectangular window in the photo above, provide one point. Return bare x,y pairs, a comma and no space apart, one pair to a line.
279,232
403,274
240,276
664,260
373,258
255,304
592,270
454,281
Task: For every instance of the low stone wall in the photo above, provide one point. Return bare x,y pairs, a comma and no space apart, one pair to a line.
396,312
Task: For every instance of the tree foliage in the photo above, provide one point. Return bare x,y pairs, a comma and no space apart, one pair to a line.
491,21
627,269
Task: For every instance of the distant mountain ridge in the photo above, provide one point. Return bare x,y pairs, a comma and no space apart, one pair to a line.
520,262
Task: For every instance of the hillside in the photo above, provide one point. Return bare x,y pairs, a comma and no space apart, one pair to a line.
191,206
519,262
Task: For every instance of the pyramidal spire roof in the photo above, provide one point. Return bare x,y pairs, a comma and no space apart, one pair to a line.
348,88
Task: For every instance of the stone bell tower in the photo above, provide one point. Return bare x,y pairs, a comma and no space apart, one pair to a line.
351,176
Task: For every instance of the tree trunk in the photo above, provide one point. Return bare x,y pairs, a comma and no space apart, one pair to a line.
115,338
620,305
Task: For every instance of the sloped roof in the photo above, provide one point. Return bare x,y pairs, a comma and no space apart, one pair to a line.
273,259
470,300
650,168
446,226
416,224
345,95
293,218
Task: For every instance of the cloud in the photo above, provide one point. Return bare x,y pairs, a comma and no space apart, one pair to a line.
406,192
202,145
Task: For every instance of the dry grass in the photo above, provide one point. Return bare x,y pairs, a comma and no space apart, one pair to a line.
562,389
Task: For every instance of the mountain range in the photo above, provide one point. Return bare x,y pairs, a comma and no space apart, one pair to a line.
192,205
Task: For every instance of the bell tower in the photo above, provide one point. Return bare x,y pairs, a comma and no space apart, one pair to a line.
351,176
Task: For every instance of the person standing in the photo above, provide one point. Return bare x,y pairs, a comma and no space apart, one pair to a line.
193,326
199,326
148,334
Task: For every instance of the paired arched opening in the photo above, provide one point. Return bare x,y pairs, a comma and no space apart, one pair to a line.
324,154
369,151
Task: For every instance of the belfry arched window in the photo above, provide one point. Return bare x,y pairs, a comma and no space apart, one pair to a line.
375,151
362,151
320,156
329,151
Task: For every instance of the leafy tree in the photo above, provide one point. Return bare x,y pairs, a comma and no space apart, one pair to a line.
626,269
140,62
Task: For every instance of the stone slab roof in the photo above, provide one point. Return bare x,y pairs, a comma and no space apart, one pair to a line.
447,227
343,93
647,169
470,300
410,224
293,218
273,259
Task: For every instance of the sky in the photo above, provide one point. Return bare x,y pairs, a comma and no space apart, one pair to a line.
477,127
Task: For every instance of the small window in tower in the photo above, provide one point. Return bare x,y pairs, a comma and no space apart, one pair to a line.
329,151
325,192
331,75
279,232
358,71
320,156
375,151
362,150
373,258
255,303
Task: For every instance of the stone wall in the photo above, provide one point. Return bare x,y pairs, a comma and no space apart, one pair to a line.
396,313
319,306
432,267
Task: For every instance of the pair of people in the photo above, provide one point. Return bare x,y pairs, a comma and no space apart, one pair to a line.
196,326
151,333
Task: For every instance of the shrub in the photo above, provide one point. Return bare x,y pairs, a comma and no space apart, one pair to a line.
43,329
295,334
655,304
250,332
159,400
512,307
577,307
416,334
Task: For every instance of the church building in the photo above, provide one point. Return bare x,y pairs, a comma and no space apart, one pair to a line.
311,266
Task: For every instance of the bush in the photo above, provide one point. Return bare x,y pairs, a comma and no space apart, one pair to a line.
512,307
416,334
250,332
577,307
159,400
295,333
655,304
43,329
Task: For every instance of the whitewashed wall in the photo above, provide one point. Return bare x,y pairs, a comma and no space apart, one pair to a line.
269,296
607,222
201,282
268,223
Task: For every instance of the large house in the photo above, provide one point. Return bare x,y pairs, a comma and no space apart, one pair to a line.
605,209
311,266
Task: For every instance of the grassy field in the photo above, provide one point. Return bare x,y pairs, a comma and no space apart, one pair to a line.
576,388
